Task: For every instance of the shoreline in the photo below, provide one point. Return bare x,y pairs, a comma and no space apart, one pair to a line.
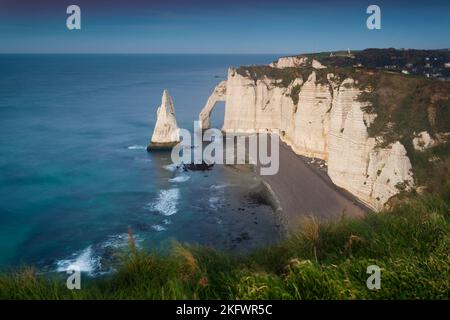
263,190
300,189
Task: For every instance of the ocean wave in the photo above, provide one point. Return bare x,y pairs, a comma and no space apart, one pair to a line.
118,241
136,147
171,167
217,197
214,202
85,261
143,159
220,186
179,179
166,203
89,260
158,227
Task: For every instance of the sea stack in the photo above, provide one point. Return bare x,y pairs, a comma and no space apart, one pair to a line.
166,132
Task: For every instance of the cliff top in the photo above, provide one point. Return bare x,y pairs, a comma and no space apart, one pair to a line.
428,63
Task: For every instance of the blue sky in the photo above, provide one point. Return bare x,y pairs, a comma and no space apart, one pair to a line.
199,26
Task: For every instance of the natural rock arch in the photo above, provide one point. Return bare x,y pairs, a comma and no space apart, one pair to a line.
219,94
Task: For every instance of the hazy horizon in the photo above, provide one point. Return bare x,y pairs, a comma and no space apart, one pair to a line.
207,53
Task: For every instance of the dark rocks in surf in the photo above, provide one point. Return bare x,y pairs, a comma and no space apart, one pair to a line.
197,166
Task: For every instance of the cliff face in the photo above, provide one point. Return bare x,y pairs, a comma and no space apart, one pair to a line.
323,119
354,161
289,62
166,132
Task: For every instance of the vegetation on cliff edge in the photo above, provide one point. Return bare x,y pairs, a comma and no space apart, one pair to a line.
320,261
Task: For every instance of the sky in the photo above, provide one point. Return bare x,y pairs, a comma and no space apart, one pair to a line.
228,26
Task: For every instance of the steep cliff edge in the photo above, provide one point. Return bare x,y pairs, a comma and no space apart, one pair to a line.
362,122
166,132
354,160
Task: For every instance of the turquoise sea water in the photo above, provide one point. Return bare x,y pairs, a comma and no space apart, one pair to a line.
74,172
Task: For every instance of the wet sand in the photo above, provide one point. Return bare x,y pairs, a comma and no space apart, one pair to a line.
303,189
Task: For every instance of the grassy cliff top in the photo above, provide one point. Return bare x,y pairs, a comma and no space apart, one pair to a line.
429,63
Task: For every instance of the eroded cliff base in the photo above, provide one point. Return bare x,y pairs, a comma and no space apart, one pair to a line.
153,146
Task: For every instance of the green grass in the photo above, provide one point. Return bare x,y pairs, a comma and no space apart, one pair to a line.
319,261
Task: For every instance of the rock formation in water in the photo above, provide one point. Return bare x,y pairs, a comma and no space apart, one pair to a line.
322,119
166,132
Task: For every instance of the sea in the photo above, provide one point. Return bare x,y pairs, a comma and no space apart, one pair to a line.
75,177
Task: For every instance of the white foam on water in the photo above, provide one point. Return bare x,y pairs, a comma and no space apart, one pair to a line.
136,147
167,202
143,159
217,197
89,260
171,167
85,261
158,227
220,186
167,221
179,179
118,241
214,202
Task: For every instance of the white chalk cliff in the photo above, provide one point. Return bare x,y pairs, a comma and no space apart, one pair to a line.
327,122
317,65
289,62
423,141
166,132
